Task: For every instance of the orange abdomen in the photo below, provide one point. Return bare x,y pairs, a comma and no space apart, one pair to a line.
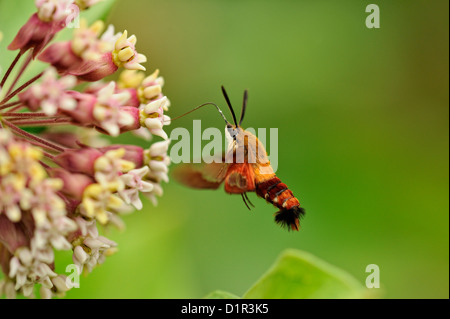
277,193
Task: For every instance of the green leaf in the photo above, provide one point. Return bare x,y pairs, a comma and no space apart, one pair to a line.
14,14
219,294
300,275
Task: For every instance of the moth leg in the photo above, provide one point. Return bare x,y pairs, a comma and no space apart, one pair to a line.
245,202
248,200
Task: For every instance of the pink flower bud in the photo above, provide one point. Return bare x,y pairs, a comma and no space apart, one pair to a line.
67,139
74,184
50,94
95,87
134,112
15,235
133,153
79,160
35,34
83,113
30,100
134,99
5,258
61,56
94,70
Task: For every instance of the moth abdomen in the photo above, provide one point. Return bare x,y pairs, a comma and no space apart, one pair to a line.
278,194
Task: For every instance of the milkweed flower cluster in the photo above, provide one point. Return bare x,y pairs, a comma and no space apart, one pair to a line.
58,186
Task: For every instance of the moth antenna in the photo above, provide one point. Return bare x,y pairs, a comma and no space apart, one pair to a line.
198,107
229,105
244,106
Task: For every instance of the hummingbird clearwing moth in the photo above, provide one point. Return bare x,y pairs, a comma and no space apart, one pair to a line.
243,168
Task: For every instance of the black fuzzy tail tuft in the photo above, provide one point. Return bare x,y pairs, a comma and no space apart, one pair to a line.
290,218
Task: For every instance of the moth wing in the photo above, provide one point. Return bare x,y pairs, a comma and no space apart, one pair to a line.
240,178
201,175
257,154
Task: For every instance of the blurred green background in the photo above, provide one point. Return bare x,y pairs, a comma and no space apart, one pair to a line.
363,127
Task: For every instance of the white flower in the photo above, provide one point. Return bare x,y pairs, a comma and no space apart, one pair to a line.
134,184
109,166
7,289
99,201
92,251
108,112
152,116
51,94
27,271
158,161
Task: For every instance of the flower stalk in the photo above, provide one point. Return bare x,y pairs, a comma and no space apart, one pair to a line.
21,88
11,67
19,75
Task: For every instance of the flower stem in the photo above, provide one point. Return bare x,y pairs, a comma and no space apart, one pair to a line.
48,155
30,136
25,85
43,164
10,105
11,67
38,144
17,108
22,69
46,122
26,115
